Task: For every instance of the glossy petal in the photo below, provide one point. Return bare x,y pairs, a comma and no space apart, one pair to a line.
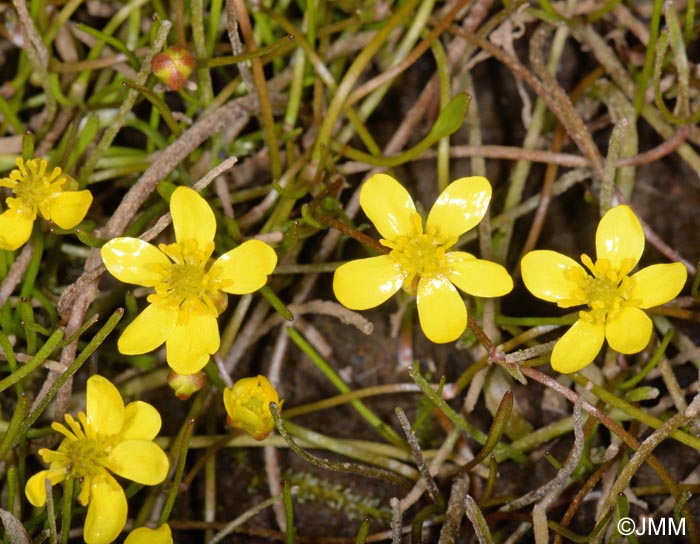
629,331
191,343
144,535
388,206
141,422
619,236
548,275
134,261
35,490
68,208
15,228
192,216
366,283
478,277
658,284
141,461
149,330
105,407
245,268
460,206
441,310
578,347
107,510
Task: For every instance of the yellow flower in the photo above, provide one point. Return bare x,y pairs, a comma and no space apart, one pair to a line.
107,437
247,404
190,288
144,535
419,260
53,195
615,299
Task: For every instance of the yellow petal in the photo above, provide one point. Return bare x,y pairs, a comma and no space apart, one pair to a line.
441,310
245,268
35,490
629,331
191,343
149,330
107,510
141,461
460,206
68,208
619,236
15,228
131,260
549,275
478,277
144,535
141,421
366,283
192,216
388,206
105,407
657,284
578,347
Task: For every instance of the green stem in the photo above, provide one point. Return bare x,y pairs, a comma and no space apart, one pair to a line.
159,103
639,376
354,72
179,471
111,132
83,356
382,428
458,420
634,412
41,355
344,467
116,43
643,80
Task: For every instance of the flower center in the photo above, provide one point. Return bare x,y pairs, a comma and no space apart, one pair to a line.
186,284
606,291
32,186
83,452
422,254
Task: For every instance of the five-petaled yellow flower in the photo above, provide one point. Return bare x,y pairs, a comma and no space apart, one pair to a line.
190,288
107,437
247,404
419,260
52,194
144,535
614,298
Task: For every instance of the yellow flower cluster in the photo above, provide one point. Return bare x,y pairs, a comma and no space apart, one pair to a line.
420,262
36,191
107,438
615,298
190,288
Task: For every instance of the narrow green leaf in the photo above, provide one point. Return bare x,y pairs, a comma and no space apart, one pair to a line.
450,119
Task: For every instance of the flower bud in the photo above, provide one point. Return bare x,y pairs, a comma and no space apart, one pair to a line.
173,66
186,385
248,406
